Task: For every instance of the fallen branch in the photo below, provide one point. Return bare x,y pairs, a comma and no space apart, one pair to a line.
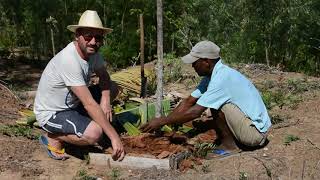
11,93
264,165
303,167
312,143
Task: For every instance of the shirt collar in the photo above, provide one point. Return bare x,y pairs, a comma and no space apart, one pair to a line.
216,68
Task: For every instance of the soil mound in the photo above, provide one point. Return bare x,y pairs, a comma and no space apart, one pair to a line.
149,144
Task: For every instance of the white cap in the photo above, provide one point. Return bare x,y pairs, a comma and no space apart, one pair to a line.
89,19
203,49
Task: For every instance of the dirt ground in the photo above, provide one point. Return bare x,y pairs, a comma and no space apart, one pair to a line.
293,151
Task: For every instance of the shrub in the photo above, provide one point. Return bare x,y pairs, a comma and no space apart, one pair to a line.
290,138
172,68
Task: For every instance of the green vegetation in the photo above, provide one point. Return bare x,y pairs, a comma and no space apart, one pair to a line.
276,119
87,158
290,138
18,130
296,86
202,149
205,168
131,129
83,175
243,175
114,174
271,32
279,98
173,68
289,93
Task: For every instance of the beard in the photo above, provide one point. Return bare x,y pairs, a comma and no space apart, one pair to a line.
89,50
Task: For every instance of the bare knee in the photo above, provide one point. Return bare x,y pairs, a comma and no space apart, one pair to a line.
93,133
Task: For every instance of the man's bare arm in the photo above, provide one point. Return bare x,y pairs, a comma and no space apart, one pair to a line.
96,113
186,111
184,116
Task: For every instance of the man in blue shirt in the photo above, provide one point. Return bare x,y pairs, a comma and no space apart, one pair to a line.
223,90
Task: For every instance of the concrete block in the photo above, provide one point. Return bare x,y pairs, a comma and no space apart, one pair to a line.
128,162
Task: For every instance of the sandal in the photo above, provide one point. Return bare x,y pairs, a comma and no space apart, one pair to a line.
44,141
221,153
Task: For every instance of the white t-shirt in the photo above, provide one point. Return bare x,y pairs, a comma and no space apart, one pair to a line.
64,70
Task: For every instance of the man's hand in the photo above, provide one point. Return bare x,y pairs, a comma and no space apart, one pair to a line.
107,109
118,150
154,124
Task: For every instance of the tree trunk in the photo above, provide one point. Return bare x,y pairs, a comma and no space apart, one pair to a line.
172,44
104,21
52,42
65,7
122,19
159,92
267,53
143,78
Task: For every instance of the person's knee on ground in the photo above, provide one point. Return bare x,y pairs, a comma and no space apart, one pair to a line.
93,133
251,140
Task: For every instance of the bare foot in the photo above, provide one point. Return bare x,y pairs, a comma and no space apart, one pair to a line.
229,145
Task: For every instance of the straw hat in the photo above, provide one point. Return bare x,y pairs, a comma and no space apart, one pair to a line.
89,19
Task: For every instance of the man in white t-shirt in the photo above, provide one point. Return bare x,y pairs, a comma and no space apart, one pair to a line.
64,106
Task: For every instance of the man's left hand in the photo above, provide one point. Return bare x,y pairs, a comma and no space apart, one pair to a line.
154,124
107,109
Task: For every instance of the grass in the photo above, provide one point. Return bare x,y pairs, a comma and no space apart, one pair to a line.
289,93
243,175
202,149
297,85
289,139
17,130
205,168
173,68
276,119
114,174
269,84
83,175
87,158
279,98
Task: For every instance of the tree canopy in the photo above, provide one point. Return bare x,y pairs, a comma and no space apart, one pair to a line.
284,32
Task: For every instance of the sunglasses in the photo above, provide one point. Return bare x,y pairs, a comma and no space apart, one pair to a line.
97,37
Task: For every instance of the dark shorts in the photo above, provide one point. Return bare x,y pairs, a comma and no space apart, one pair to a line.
76,120
67,122
73,121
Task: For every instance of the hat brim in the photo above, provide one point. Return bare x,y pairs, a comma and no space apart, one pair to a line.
189,59
73,28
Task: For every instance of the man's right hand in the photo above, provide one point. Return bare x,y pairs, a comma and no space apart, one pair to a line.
118,150
152,125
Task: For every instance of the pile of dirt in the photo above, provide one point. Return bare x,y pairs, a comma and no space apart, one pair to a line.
9,106
150,144
163,146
